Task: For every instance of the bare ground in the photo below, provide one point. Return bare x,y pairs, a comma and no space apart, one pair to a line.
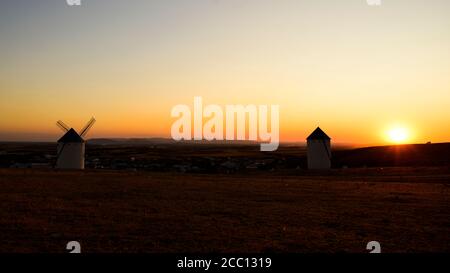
405,209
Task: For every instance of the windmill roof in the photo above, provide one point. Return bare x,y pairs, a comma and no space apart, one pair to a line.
71,136
318,134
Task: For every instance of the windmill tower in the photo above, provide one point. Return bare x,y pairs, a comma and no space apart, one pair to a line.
71,146
319,150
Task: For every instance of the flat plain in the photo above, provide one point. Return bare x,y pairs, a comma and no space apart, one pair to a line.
406,209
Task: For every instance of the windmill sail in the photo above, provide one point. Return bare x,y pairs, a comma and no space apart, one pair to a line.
62,126
86,128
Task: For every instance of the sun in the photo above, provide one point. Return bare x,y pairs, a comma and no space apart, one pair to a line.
398,135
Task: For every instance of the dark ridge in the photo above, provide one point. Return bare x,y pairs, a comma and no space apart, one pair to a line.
393,156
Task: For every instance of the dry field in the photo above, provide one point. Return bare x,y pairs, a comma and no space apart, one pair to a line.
405,209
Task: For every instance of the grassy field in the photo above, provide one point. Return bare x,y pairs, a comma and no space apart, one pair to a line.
405,209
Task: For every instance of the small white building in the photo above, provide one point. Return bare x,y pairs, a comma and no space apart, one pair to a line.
70,151
319,150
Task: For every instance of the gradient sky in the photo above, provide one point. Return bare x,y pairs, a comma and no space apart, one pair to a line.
353,69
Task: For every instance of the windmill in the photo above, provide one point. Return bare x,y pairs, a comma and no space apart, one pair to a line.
71,146
319,150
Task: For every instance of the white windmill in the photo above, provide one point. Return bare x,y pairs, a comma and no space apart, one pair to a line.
319,150
71,146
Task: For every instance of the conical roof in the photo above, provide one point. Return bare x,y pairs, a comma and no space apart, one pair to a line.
71,136
318,134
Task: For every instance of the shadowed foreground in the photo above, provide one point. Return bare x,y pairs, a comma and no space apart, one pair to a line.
405,209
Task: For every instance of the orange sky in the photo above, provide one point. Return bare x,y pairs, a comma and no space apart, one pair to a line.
356,71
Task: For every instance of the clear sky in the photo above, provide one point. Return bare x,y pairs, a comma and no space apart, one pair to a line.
353,69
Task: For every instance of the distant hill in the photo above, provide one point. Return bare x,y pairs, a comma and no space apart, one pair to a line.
129,141
397,155
159,141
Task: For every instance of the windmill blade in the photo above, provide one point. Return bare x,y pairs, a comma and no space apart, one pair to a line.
86,128
62,126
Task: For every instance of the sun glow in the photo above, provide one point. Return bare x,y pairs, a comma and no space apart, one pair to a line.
398,135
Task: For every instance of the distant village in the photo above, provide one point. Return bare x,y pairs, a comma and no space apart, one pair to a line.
167,157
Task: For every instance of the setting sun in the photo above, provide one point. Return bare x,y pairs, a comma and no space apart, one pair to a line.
398,135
